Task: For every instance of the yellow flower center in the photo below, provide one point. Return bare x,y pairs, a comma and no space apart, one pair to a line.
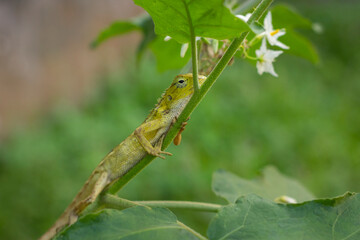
274,32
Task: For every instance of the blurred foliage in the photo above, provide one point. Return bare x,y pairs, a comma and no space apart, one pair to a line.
306,123
271,185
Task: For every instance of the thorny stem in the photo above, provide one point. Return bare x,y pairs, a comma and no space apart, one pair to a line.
195,100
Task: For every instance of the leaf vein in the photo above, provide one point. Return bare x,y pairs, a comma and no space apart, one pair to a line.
174,9
351,234
240,227
150,229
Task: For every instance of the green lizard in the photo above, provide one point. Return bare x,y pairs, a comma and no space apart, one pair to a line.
146,139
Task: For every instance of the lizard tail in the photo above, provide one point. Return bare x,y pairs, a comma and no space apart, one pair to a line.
87,195
66,219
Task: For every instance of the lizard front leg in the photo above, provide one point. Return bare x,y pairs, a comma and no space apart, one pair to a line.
145,143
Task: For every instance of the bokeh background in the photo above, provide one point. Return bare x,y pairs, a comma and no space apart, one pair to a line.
64,106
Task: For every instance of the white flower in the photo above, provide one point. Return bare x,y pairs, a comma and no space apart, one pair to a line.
285,199
244,18
266,58
271,34
184,49
167,38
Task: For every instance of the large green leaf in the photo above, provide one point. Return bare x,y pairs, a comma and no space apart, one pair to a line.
300,46
254,218
167,54
130,224
270,185
115,29
285,16
143,24
210,18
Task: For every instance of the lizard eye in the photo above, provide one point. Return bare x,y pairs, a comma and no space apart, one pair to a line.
181,83
169,97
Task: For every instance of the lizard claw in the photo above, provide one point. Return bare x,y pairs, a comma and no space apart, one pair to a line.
157,154
161,152
166,153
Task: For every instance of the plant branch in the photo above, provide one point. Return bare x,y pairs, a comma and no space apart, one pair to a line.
198,206
195,100
115,202
194,52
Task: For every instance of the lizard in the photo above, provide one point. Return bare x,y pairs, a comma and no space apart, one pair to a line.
146,139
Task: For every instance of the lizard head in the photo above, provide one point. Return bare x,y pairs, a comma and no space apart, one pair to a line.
179,93
181,88
175,98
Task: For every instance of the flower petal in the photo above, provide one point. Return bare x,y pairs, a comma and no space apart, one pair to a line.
183,50
281,45
270,55
268,23
244,18
260,67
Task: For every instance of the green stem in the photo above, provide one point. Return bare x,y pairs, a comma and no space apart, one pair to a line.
255,40
115,202
194,101
194,52
198,206
248,56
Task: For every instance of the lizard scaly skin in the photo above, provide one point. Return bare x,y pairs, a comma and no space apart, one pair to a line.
146,139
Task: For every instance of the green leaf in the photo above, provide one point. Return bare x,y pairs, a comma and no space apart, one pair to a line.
270,185
144,24
147,26
167,54
115,29
210,18
253,217
284,16
132,223
300,46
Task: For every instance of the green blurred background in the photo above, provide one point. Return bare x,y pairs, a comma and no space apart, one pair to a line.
306,123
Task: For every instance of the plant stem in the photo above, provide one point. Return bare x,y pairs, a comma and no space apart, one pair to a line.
114,202
194,52
195,100
199,206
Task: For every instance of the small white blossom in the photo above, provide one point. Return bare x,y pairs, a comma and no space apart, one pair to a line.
184,49
244,18
167,38
271,34
285,199
318,28
266,58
